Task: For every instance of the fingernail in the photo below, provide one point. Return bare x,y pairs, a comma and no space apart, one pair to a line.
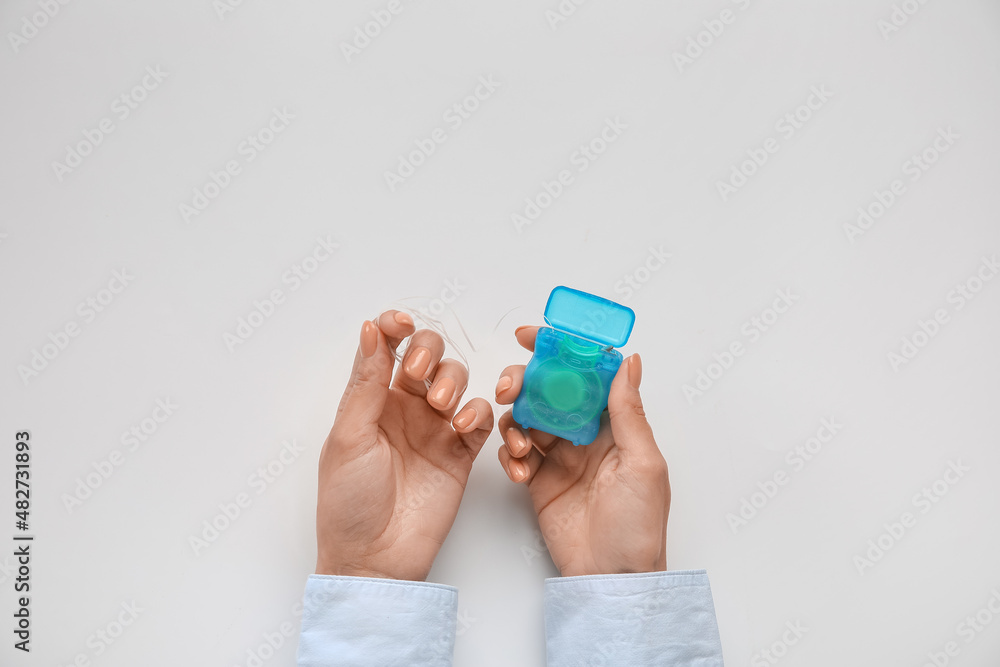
517,470
515,440
634,370
416,364
518,331
369,339
443,392
403,318
466,417
504,384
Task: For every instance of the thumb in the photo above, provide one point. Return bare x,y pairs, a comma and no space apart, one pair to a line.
631,430
356,424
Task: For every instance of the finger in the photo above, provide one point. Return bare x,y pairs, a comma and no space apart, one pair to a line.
419,362
540,440
521,470
632,432
509,384
517,442
363,399
396,325
526,337
474,424
449,383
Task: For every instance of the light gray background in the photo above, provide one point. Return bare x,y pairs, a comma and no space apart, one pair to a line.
656,186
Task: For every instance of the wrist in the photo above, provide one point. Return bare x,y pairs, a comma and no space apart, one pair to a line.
344,568
382,564
344,571
571,572
657,564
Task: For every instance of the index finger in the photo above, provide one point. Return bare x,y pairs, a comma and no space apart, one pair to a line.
366,392
395,325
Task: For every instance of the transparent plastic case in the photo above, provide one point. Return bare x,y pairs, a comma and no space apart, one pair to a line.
567,380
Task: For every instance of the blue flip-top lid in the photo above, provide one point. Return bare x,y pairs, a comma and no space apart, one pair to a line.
589,316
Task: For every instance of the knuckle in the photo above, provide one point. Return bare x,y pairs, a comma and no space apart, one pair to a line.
655,467
431,339
626,409
367,372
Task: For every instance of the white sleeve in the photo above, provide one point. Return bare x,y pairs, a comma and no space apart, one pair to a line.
657,618
362,622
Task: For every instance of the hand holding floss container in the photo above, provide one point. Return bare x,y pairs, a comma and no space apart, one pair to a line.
568,379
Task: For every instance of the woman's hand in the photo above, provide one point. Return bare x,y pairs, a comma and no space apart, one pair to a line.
602,507
394,467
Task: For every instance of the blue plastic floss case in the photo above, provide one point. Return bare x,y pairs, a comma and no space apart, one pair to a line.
568,379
